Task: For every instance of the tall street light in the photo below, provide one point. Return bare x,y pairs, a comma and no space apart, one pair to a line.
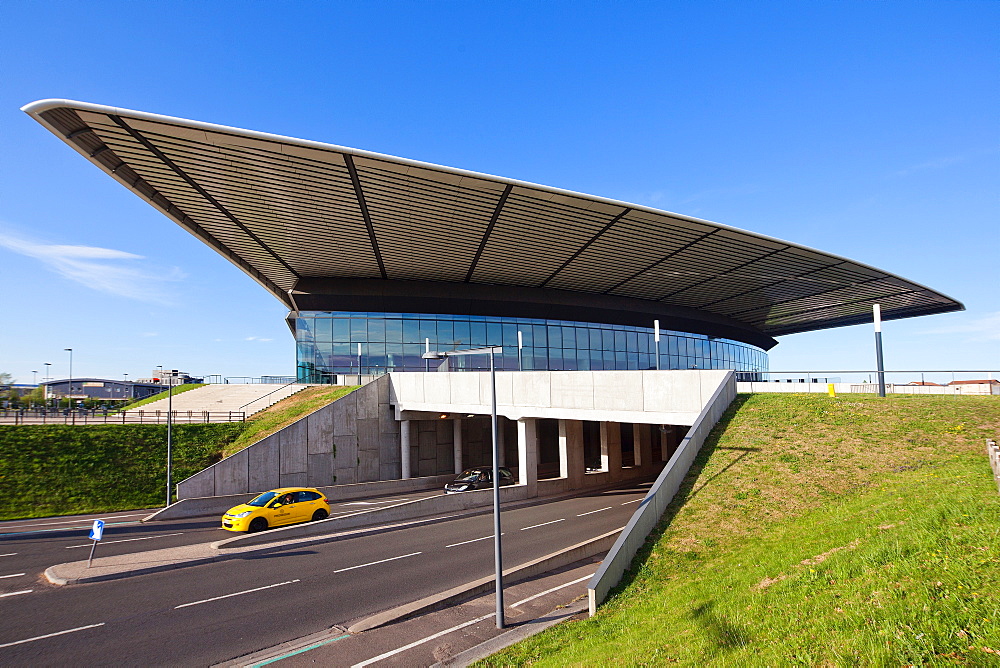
877,317
47,378
170,432
70,391
497,552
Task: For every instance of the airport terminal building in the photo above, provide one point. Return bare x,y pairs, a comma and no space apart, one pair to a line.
380,258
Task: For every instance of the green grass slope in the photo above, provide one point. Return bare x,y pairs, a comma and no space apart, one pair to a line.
814,531
62,469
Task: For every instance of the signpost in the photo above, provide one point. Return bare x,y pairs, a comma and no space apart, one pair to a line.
96,532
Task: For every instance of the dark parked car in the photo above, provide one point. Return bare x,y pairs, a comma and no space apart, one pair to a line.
480,477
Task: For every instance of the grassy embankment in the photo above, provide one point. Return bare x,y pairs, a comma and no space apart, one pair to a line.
814,531
61,469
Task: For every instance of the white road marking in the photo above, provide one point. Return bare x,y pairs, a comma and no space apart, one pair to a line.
86,526
376,659
239,593
372,503
9,554
16,593
46,524
13,575
125,540
633,501
50,635
474,540
595,511
549,591
535,526
381,561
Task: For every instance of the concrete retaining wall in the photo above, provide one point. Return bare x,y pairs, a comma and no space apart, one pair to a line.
216,505
650,510
355,439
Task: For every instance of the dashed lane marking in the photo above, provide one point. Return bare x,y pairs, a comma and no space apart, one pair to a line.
632,501
380,561
239,593
595,511
17,593
474,540
12,575
535,526
51,635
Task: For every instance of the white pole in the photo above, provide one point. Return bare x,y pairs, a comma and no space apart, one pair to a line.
520,344
497,553
877,317
656,341
359,364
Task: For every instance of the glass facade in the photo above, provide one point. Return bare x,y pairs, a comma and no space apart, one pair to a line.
327,345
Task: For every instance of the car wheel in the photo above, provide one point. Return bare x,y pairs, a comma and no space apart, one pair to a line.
320,515
257,524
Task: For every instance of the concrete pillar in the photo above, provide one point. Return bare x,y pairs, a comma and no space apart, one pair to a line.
571,452
527,454
404,448
457,441
643,445
664,450
611,449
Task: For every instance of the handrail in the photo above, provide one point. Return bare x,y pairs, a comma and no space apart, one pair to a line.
294,382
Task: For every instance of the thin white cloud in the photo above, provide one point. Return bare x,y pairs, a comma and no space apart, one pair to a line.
985,328
103,269
939,163
259,339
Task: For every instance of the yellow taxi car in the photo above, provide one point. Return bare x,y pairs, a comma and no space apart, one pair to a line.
277,507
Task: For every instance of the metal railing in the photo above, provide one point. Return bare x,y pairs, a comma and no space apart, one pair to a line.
90,417
251,403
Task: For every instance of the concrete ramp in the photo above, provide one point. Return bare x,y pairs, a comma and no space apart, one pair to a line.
224,398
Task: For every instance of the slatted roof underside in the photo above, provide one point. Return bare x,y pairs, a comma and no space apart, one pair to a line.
282,211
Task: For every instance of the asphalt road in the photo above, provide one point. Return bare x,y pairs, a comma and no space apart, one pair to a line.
31,546
214,612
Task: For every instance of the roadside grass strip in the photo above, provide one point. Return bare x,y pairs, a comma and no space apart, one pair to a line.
817,531
238,593
51,635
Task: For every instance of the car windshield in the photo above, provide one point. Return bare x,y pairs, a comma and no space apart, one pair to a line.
472,475
262,499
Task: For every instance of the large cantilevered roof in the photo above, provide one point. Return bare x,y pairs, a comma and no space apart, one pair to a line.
294,214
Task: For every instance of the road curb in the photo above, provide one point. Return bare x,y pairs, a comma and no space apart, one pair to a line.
563,557
515,635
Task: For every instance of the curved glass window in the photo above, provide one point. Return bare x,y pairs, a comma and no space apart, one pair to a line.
327,345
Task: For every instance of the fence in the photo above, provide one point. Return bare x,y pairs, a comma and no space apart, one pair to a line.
650,510
85,417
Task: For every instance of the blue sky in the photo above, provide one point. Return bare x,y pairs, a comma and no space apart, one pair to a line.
865,129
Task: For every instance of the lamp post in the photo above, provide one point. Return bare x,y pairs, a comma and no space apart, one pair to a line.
359,364
656,342
520,344
46,379
34,378
877,317
170,432
497,551
69,393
